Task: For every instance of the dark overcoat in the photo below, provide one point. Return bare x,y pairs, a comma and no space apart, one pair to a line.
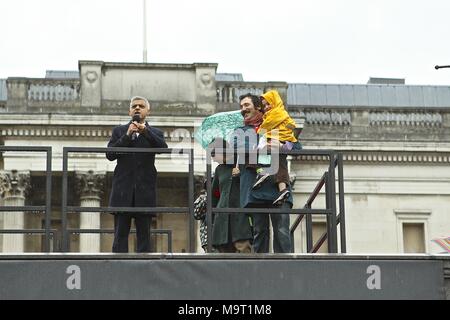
135,173
228,227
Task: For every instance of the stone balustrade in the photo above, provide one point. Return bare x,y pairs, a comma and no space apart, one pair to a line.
42,93
428,119
228,92
53,90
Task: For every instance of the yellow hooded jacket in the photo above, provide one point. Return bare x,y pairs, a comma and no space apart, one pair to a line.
277,118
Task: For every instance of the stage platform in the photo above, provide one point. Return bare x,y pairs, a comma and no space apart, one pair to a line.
223,276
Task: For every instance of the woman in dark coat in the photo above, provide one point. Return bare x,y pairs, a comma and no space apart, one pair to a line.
231,232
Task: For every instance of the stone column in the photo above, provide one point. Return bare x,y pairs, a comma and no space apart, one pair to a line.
14,186
90,188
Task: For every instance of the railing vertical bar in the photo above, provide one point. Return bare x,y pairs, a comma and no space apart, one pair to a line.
65,240
169,240
332,198
309,237
191,202
48,200
342,203
328,204
208,201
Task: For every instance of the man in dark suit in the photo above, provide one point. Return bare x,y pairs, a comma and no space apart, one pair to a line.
134,181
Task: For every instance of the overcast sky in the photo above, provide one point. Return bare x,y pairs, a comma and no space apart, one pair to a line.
298,41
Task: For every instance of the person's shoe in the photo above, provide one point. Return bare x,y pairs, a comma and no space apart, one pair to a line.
284,194
260,178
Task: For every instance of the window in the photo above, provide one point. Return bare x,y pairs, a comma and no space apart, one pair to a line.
413,238
412,230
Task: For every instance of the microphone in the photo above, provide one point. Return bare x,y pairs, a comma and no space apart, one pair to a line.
136,118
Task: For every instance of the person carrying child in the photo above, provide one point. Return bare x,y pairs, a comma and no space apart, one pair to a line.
280,131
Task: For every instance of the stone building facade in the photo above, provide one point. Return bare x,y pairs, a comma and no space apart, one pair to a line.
394,139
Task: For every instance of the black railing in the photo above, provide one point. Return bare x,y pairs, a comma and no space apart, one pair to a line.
328,179
340,218
65,208
47,208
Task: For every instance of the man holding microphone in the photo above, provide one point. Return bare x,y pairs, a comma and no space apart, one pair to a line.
134,180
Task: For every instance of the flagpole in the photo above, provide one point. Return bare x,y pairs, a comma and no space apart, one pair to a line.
145,31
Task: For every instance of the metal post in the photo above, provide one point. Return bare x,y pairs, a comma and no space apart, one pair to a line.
328,206
65,240
342,203
309,237
48,200
169,242
332,198
191,202
208,201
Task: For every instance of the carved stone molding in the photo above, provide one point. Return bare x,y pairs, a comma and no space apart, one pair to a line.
14,183
172,133
89,184
206,80
385,157
56,132
91,76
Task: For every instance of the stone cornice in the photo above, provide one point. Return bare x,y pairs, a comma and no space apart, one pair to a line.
70,132
98,119
138,65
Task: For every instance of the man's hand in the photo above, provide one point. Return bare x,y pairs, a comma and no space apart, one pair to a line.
140,127
132,128
235,172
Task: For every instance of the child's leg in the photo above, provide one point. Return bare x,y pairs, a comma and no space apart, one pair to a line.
282,176
282,179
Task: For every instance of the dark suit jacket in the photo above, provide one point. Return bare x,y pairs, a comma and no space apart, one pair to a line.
135,173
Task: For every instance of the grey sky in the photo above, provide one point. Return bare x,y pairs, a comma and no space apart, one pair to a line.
302,41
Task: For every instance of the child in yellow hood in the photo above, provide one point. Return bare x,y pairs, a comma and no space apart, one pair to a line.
279,129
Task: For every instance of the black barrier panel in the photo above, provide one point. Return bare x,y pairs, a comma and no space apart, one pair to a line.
48,200
227,277
327,180
65,208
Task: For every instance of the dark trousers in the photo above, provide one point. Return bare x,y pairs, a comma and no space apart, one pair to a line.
281,232
283,173
122,225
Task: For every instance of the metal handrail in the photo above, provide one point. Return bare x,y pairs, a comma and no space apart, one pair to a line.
340,219
121,150
330,194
